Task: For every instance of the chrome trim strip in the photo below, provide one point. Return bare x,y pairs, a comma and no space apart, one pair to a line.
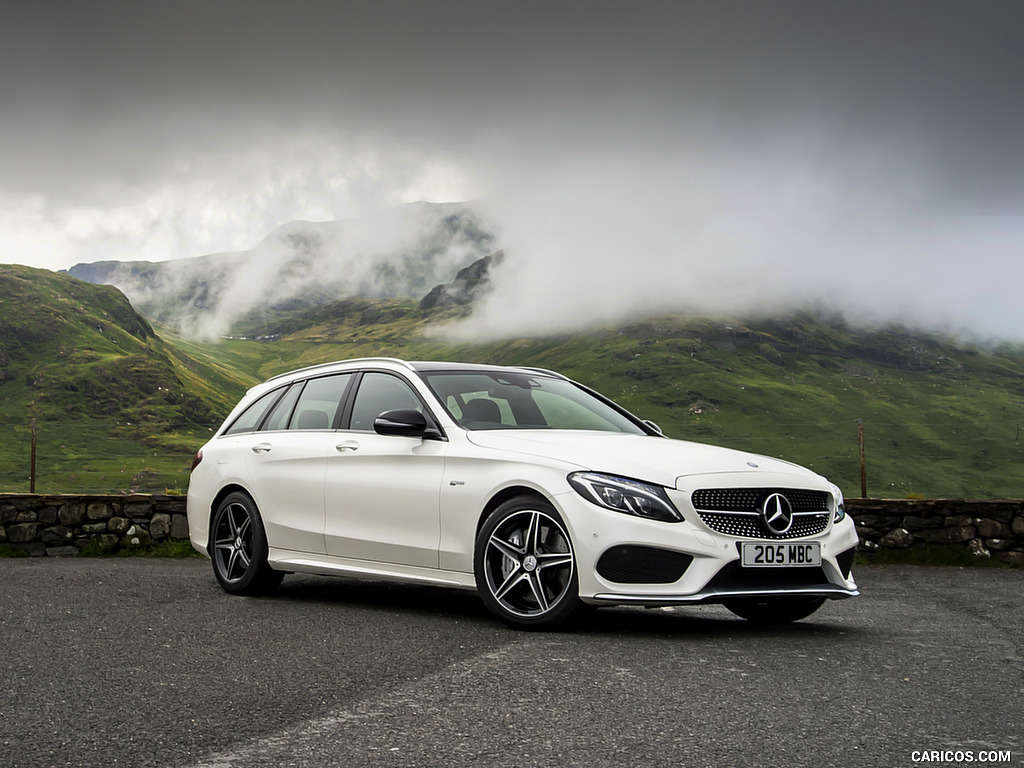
354,360
713,595
553,374
747,513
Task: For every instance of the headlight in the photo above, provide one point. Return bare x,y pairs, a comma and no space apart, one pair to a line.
624,495
840,504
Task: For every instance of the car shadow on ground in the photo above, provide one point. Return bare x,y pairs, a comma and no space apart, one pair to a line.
445,603
423,600
710,621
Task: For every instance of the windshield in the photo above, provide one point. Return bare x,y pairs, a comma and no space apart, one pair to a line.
485,400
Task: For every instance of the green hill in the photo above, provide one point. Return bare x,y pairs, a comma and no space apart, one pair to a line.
115,406
941,417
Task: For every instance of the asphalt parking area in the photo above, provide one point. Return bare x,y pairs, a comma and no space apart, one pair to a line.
146,662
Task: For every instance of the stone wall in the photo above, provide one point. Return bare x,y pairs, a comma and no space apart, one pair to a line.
987,529
67,525
61,525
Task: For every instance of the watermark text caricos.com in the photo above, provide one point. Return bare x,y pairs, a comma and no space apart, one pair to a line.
960,756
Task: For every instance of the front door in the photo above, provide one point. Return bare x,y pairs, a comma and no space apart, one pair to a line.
382,493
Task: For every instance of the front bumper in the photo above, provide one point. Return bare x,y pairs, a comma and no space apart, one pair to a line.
708,562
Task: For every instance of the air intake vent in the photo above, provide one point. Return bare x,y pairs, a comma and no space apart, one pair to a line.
734,576
643,565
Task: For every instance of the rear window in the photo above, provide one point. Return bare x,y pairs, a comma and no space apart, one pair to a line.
250,418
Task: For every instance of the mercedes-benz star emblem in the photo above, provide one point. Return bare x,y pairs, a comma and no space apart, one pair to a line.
777,513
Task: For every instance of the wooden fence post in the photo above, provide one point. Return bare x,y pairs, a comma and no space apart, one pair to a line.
863,465
32,462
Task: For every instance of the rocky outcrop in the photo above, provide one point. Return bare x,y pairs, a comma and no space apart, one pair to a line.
396,253
469,284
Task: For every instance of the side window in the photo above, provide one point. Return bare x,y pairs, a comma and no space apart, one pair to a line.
278,418
250,417
319,402
379,392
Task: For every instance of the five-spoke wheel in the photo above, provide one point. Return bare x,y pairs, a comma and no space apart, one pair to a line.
524,564
239,547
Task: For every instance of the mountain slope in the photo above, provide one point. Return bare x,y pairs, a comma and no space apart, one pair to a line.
125,407
398,253
941,418
78,360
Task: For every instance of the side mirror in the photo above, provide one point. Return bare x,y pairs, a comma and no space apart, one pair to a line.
404,422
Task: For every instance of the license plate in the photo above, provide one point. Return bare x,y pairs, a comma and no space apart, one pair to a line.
770,554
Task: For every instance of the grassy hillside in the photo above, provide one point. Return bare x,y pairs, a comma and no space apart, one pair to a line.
120,406
115,406
940,418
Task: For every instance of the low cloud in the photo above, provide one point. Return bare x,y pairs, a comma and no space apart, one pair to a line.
741,233
730,157
401,252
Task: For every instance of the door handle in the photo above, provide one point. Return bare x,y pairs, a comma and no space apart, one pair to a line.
261,448
348,445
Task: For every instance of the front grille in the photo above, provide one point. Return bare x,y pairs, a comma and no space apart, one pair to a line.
750,527
750,499
736,511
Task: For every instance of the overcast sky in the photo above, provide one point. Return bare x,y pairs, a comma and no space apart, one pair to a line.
709,155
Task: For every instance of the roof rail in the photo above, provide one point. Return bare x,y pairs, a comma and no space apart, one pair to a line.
338,362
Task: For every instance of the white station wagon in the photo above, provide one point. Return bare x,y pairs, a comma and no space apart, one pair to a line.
536,491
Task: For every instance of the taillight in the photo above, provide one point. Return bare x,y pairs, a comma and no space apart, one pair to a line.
197,459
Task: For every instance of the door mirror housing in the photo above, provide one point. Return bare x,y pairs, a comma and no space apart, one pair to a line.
403,422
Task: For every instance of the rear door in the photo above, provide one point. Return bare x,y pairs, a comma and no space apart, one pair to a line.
286,458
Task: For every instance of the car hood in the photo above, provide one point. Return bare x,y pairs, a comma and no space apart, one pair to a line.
653,459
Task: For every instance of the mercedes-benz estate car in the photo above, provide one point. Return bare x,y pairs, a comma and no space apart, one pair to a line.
534,490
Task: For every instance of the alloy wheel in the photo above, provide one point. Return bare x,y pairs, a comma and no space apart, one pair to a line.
233,542
528,564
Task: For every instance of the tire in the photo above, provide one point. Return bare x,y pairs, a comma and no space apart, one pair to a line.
238,547
525,567
774,610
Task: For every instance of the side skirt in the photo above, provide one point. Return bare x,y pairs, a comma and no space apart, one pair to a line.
327,565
